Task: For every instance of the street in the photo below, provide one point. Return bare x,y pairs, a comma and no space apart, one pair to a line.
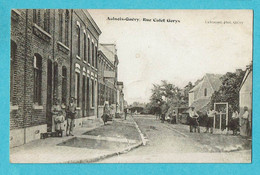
169,143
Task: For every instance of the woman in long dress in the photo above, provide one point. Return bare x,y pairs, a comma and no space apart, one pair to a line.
57,115
245,127
234,122
106,113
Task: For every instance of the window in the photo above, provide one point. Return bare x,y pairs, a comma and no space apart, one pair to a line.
96,56
98,94
64,85
205,92
93,93
83,95
12,69
67,17
60,24
85,48
110,96
88,94
77,83
37,79
106,92
34,15
38,17
47,20
93,55
103,94
89,50
55,85
78,42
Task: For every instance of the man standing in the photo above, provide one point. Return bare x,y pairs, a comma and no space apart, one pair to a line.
210,121
194,120
125,110
164,109
71,113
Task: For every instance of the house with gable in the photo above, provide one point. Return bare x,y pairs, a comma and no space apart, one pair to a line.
245,92
200,95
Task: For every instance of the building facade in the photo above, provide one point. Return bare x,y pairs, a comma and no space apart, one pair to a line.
199,96
120,97
107,77
245,92
53,55
85,36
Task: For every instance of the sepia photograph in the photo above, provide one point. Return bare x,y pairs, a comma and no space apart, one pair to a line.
131,86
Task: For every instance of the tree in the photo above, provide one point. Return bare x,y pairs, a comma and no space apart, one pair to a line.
172,93
229,90
186,91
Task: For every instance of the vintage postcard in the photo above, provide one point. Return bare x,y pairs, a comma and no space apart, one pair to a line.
131,86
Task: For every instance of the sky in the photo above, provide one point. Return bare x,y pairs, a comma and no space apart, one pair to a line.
198,42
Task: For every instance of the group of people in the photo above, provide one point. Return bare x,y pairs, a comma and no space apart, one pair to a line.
162,111
241,122
194,121
108,113
62,113
238,122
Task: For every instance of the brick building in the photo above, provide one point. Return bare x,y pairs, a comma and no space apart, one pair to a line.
107,76
85,36
53,55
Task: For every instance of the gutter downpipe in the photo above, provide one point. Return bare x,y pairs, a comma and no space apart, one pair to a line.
25,66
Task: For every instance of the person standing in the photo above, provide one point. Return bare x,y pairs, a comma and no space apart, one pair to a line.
125,110
234,122
111,111
106,113
157,111
210,121
174,117
245,125
164,110
57,115
194,120
71,113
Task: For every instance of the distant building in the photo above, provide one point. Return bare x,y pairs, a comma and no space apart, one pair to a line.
120,97
107,76
200,95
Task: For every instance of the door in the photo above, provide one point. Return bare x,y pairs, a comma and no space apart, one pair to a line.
49,96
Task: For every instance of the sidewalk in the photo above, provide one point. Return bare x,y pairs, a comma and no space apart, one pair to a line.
90,143
216,142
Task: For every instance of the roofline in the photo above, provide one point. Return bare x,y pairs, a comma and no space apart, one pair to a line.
206,75
210,83
104,45
100,52
92,21
248,70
